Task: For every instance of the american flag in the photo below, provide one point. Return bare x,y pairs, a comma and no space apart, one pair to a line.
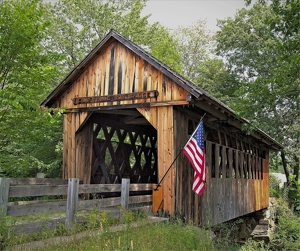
194,150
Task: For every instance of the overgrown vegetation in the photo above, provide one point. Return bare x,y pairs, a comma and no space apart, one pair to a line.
91,220
98,230
274,186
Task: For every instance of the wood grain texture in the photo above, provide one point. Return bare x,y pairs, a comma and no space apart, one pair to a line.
236,184
118,70
237,168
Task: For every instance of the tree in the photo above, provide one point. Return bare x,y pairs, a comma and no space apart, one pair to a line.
77,26
25,73
262,56
195,46
214,77
199,64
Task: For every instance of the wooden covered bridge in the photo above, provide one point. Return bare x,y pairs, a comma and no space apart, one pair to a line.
128,115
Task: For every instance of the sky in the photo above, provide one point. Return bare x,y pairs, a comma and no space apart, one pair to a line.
174,13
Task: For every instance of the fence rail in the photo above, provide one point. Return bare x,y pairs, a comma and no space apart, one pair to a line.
112,195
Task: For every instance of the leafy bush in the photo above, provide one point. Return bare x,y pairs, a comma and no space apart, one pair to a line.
274,182
287,232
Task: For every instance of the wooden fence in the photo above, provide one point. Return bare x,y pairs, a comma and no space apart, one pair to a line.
107,197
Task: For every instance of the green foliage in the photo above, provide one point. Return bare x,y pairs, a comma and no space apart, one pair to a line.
195,44
26,72
225,234
77,26
196,47
287,231
252,245
215,78
169,236
7,224
261,48
127,214
274,182
97,219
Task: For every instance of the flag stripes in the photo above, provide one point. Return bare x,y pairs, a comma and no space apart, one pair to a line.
194,151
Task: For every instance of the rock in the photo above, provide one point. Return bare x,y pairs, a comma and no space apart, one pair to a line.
264,222
261,232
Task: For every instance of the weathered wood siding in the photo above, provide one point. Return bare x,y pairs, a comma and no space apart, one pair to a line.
237,164
117,70
236,185
161,119
77,146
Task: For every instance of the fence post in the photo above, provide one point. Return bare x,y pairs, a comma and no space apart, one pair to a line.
72,201
40,176
4,189
125,193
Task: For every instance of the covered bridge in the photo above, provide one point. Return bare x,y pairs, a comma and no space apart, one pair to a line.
128,115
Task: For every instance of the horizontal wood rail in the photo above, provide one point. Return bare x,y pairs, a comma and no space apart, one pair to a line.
31,188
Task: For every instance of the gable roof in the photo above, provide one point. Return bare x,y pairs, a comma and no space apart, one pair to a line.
113,35
183,82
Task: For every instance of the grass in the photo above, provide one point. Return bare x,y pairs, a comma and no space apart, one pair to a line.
136,233
168,236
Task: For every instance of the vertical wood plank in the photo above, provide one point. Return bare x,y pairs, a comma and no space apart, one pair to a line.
117,72
216,192
234,197
4,189
123,63
97,75
72,201
84,150
125,193
140,75
223,187
159,87
70,145
206,212
157,198
149,77
178,123
102,74
166,155
230,163
107,75
65,148
265,200
112,69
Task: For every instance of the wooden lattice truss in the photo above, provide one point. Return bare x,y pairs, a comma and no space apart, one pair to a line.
124,146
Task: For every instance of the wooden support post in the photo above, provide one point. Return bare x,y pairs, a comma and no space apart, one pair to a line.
157,198
72,201
125,193
40,176
4,188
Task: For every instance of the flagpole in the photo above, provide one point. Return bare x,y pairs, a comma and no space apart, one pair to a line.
158,184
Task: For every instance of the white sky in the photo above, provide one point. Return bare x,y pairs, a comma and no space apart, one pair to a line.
174,13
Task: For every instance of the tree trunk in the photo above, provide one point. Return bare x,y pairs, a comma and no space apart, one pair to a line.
284,163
